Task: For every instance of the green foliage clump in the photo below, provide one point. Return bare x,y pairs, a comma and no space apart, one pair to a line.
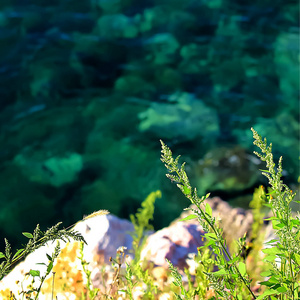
33,293
284,279
36,240
141,223
136,269
257,203
232,280
232,271
91,292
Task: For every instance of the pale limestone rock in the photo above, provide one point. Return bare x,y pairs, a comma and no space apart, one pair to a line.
182,238
174,243
103,234
234,221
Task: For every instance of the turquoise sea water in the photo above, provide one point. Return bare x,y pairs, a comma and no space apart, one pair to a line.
89,87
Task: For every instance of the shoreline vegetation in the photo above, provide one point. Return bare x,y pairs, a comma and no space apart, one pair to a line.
247,268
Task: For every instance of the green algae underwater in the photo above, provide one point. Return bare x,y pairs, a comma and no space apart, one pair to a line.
89,87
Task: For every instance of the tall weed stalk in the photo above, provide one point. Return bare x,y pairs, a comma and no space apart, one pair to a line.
231,280
284,253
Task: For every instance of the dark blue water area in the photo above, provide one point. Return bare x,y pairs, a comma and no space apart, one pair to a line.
88,88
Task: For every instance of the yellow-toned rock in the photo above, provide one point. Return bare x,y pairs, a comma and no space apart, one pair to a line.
69,281
104,234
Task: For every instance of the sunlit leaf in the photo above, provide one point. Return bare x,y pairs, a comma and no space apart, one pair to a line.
50,267
242,268
189,217
28,235
34,273
17,253
208,209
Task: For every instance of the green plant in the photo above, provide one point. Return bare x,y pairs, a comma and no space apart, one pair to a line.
140,223
284,253
33,293
178,282
232,281
204,262
252,250
124,284
135,270
232,272
257,205
91,292
37,239
197,279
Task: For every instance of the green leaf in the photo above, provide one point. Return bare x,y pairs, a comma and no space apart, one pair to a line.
270,258
50,267
297,258
271,242
242,268
295,222
28,235
189,217
221,272
18,252
34,273
267,293
187,190
267,171
277,224
49,257
271,218
211,236
281,289
266,274
208,209
209,243
270,282
236,258
272,251
2,255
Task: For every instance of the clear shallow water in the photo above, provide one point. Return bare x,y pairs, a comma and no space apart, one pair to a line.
88,89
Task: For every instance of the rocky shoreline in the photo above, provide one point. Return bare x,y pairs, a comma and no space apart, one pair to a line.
105,234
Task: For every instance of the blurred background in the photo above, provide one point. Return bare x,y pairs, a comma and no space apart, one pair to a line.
87,89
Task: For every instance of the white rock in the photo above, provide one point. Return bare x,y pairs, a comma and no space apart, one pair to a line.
103,234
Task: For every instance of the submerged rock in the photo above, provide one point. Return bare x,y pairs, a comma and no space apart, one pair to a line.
228,169
55,171
183,118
